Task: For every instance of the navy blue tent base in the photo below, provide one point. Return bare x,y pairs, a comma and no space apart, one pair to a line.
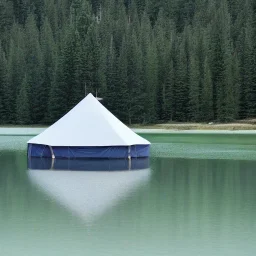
134,151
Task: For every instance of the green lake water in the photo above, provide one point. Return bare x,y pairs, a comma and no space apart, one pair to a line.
197,198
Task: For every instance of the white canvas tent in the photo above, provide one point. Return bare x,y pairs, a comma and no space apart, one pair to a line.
88,130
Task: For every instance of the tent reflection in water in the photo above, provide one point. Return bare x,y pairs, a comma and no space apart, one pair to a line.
88,130
88,194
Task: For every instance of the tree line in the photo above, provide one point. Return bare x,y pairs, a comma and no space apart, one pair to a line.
151,60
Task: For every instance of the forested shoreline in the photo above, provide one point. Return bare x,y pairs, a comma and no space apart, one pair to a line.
151,60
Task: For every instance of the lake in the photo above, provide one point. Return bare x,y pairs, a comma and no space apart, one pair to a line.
198,197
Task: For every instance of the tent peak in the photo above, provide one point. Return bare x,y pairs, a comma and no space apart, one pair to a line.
89,95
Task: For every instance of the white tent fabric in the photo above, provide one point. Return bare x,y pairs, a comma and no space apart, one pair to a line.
90,124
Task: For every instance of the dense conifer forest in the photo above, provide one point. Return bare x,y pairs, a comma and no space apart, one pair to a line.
151,60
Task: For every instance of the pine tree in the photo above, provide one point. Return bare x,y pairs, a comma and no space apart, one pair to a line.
162,37
112,80
68,67
39,11
3,87
81,17
246,70
22,111
223,93
217,65
48,67
121,96
21,8
207,94
236,85
57,104
34,64
141,7
251,71
134,80
168,94
79,53
151,84
6,21
52,15
16,68
194,84
227,108
93,67
96,6
182,81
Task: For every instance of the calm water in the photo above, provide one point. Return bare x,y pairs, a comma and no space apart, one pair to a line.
195,199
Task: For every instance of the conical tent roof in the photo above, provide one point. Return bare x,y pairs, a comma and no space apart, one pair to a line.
90,124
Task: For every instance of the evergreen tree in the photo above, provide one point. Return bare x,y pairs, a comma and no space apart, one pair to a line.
226,108
3,87
112,80
21,8
182,81
39,11
162,36
70,61
134,79
57,104
96,6
22,112
52,16
34,64
246,68
81,17
48,66
121,91
194,89
93,68
141,4
207,94
16,67
224,89
236,84
151,84
6,21
251,71
217,64
168,94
